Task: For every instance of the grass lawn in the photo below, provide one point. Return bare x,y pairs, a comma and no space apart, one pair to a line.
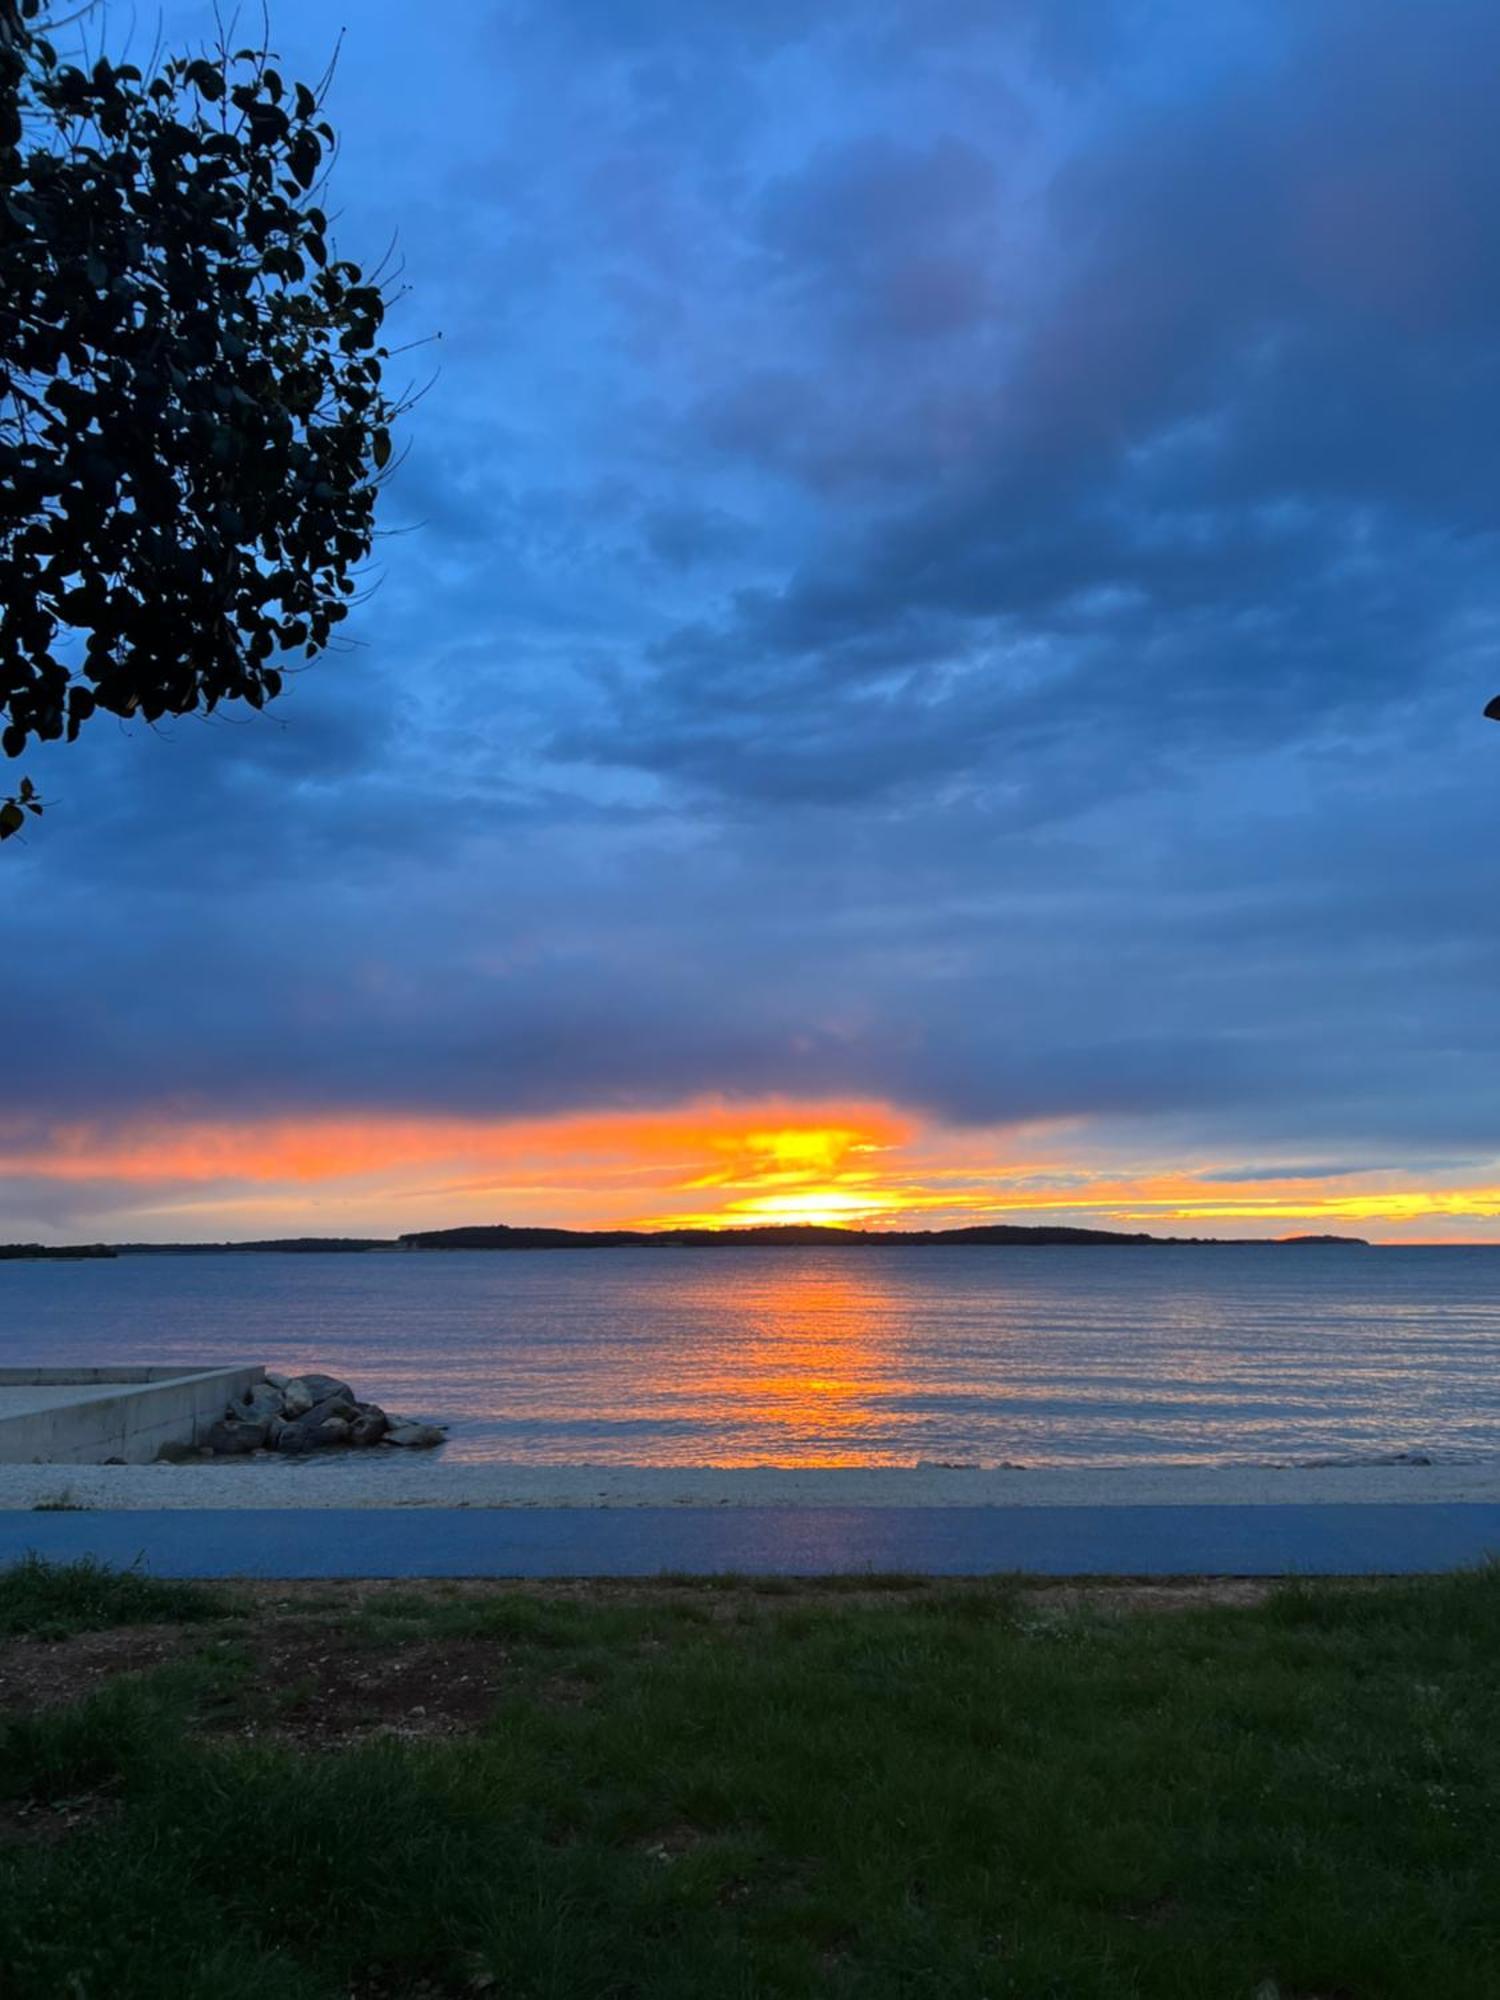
722,1789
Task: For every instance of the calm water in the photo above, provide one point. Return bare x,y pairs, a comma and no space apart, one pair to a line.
835,1357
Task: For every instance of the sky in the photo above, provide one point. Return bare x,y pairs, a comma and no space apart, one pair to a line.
925,661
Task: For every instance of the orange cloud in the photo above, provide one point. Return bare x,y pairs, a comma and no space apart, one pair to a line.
576,1169
709,1164
713,1144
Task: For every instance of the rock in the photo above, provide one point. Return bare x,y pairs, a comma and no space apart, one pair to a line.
296,1437
260,1403
331,1406
231,1436
296,1398
370,1426
173,1453
325,1423
301,1413
319,1389
417,1437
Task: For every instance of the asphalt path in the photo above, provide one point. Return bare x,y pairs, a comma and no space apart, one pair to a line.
1327,1540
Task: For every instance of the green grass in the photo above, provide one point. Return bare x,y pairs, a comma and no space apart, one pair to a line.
691,1793
50,1600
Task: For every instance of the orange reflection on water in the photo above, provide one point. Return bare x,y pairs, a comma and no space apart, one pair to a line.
807,1354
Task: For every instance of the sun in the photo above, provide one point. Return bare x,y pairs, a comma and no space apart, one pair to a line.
808,1205
818,1205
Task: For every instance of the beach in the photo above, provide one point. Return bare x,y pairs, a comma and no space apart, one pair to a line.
386,1481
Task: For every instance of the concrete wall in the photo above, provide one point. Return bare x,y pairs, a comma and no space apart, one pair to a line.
69,1378
82,1416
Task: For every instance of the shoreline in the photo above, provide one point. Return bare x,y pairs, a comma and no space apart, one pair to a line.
393,1481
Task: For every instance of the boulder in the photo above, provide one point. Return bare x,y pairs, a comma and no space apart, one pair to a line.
319,1389
258,1404
232,1436
302,1413
369,1426
296,1398
415,1436
325,1423
296,1436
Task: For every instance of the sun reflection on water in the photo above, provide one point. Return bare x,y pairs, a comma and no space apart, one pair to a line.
811,1354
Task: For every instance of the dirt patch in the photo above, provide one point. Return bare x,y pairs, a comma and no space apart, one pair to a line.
303,1679
669,1843
1155,1915
40,1673
1191,1594
312,1688
48,1822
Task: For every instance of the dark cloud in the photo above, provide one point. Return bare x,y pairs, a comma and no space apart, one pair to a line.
952,556
898,237
684,537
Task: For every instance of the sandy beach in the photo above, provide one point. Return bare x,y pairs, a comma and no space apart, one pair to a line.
388,1480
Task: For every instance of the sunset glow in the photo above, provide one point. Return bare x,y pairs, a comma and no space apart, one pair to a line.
706,1165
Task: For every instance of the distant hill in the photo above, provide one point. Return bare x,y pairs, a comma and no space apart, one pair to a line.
805,1235
772,1236
1323,1239
279,1243
55,1250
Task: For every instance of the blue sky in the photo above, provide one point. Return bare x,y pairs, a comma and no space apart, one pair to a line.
948,563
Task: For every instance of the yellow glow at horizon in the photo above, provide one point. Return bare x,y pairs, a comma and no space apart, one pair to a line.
808,1205
706,1165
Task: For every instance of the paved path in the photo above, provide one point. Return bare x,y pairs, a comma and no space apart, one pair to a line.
787,1541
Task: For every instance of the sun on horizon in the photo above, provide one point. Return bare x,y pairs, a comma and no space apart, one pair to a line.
705,1164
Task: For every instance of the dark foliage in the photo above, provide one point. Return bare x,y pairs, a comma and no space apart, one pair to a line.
192,418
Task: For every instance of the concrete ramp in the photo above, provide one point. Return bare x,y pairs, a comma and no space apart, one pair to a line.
83,1416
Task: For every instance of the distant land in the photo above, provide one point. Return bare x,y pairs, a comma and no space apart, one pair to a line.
772,1236
811,1235
282,1244
10,1251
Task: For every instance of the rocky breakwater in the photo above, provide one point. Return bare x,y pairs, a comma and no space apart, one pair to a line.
295,1414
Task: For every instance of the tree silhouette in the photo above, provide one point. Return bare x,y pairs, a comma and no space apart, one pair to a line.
193,425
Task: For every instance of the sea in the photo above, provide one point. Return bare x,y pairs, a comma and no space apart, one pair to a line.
858,1357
